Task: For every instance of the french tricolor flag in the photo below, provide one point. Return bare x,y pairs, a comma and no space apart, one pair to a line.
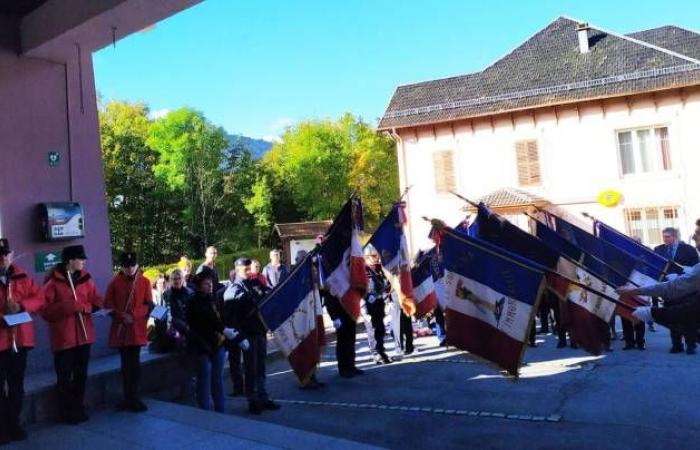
492,297
342,262
291,312
424,286
390,241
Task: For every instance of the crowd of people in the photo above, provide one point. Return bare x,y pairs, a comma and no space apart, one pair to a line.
200,317
208,321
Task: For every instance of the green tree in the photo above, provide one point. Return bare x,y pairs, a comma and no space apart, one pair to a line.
319,164
259,205
191,153
129,180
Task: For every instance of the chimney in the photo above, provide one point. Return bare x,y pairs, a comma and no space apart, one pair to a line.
582,30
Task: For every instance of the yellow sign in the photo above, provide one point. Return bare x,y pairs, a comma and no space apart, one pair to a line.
609,198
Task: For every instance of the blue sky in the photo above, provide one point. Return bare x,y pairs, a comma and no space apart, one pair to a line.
255,67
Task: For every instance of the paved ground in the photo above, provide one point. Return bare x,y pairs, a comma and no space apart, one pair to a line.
444,399
170,426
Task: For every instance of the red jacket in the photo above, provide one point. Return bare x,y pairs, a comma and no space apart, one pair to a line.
63,312
30,298
116,299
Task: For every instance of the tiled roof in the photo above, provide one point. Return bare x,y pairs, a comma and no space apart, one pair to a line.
510,198
302,229
549,69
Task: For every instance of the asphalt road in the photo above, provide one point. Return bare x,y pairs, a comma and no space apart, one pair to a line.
443,398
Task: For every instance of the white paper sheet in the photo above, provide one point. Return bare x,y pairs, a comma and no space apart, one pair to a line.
159,312
17,319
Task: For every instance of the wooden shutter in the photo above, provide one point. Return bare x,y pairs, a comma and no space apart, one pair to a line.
528,160
444,170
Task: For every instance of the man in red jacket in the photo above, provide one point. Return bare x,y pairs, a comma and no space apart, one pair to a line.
18,294
129,296
71,298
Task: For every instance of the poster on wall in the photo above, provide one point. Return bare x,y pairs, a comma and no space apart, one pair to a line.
62,221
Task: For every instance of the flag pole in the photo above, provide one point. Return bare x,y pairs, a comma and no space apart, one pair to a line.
539,268
669,263
611,268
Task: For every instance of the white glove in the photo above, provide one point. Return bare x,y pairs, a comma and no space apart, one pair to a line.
245,345
643,313
230,333
336,323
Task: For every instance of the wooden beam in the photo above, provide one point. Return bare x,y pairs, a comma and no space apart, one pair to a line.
556,115
415,133
452,128
578,113
512,122
493,125
534,117
656,103
471,126
602,107
628,102
434,133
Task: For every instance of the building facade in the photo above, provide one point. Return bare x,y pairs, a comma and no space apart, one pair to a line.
571,115
49,134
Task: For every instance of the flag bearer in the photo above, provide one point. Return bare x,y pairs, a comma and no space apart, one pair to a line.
241,312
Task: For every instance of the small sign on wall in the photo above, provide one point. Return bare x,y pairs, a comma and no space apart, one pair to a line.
44,261
54,159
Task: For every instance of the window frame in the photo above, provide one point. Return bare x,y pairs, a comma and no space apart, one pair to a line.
658,160
661,221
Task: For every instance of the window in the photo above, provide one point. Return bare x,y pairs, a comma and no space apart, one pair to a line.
528,160
444,170
644,150
646,223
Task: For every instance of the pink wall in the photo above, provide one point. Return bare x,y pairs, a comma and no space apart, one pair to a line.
40,111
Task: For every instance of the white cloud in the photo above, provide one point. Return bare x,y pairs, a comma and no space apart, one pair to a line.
271,138
159,113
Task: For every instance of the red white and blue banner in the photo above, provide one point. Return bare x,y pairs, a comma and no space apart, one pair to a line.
341,258
423,282
390,242
291,312
653,264
492,298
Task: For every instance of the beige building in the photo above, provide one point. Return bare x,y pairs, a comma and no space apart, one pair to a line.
573,112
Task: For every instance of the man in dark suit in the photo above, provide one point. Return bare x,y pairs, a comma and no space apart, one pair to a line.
685,255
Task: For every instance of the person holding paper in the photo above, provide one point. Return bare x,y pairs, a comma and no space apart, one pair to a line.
19,295
71,298
130,299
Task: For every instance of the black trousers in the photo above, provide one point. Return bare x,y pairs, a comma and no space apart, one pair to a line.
12,368
235,367
254,361
345,345
71,376
406,332
376,314
543,314
633,334
131,371
682,320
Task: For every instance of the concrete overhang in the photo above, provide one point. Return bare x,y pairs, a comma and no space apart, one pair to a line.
52,30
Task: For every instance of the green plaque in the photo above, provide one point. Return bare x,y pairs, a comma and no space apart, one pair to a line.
44,261
54,159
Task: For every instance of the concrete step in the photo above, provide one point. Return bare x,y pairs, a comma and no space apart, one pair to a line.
171,426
